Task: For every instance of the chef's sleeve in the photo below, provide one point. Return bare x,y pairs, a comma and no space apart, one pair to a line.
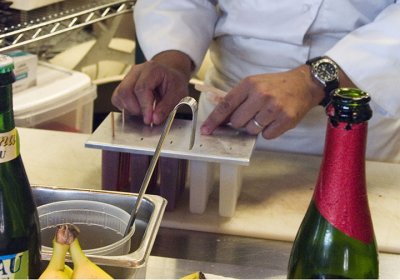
370,56
186,26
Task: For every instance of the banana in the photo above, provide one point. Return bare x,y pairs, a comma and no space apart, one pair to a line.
68,270
84,268
195,275
66,239
57,269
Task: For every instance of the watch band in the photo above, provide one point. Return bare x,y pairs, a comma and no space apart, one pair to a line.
330,85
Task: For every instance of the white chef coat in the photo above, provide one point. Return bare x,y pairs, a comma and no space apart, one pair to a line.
263,36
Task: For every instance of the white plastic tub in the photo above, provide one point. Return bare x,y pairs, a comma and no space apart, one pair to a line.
62,100
27,5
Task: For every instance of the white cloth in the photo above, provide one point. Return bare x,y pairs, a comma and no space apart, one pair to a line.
263,36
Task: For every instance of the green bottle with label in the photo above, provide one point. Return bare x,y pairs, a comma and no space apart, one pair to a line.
19,223
336,237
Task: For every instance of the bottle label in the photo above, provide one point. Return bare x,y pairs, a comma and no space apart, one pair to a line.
14,266
9,147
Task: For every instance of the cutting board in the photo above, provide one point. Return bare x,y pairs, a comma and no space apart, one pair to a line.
276,191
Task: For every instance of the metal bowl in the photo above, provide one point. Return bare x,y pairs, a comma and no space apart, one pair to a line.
131,265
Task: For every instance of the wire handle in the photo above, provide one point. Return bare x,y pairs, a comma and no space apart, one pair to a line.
192,103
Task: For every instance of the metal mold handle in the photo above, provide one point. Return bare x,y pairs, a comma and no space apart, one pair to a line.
192,103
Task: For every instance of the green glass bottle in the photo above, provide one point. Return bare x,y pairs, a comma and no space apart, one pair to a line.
19,223
336,237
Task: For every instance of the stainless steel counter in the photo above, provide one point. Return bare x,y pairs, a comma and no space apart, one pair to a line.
180,252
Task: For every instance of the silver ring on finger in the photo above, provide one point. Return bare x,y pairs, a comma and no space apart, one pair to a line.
256,123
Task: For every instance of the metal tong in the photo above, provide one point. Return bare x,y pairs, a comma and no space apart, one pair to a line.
193,106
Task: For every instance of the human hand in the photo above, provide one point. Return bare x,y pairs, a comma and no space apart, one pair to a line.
267,103
162,81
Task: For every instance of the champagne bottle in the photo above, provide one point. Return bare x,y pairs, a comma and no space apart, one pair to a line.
19,223
336,237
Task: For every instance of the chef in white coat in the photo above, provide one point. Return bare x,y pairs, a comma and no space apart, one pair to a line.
265,54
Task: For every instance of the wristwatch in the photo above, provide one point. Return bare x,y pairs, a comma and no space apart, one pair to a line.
326,72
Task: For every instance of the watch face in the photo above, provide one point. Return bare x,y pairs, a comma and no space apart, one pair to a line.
326,71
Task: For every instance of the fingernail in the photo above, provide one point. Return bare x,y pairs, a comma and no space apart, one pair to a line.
205,130
156,118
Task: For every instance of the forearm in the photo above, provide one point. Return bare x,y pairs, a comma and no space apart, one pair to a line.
344,80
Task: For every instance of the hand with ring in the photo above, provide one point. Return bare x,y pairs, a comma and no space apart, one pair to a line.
268,103
257,123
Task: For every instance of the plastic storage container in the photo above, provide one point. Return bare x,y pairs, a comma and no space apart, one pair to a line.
62,100
27,5
101,225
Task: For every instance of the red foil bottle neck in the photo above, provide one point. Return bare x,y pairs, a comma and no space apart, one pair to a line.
341,193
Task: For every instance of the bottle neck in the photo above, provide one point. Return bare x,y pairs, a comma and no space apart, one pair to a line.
341,194
6,108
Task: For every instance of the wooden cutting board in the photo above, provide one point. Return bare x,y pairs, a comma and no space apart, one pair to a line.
276,191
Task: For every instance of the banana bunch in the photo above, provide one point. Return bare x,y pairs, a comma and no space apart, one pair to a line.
66,240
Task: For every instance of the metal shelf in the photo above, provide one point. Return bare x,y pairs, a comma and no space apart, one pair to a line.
60,21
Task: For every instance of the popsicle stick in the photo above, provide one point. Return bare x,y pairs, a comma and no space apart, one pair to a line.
112,124
154,106
123,118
